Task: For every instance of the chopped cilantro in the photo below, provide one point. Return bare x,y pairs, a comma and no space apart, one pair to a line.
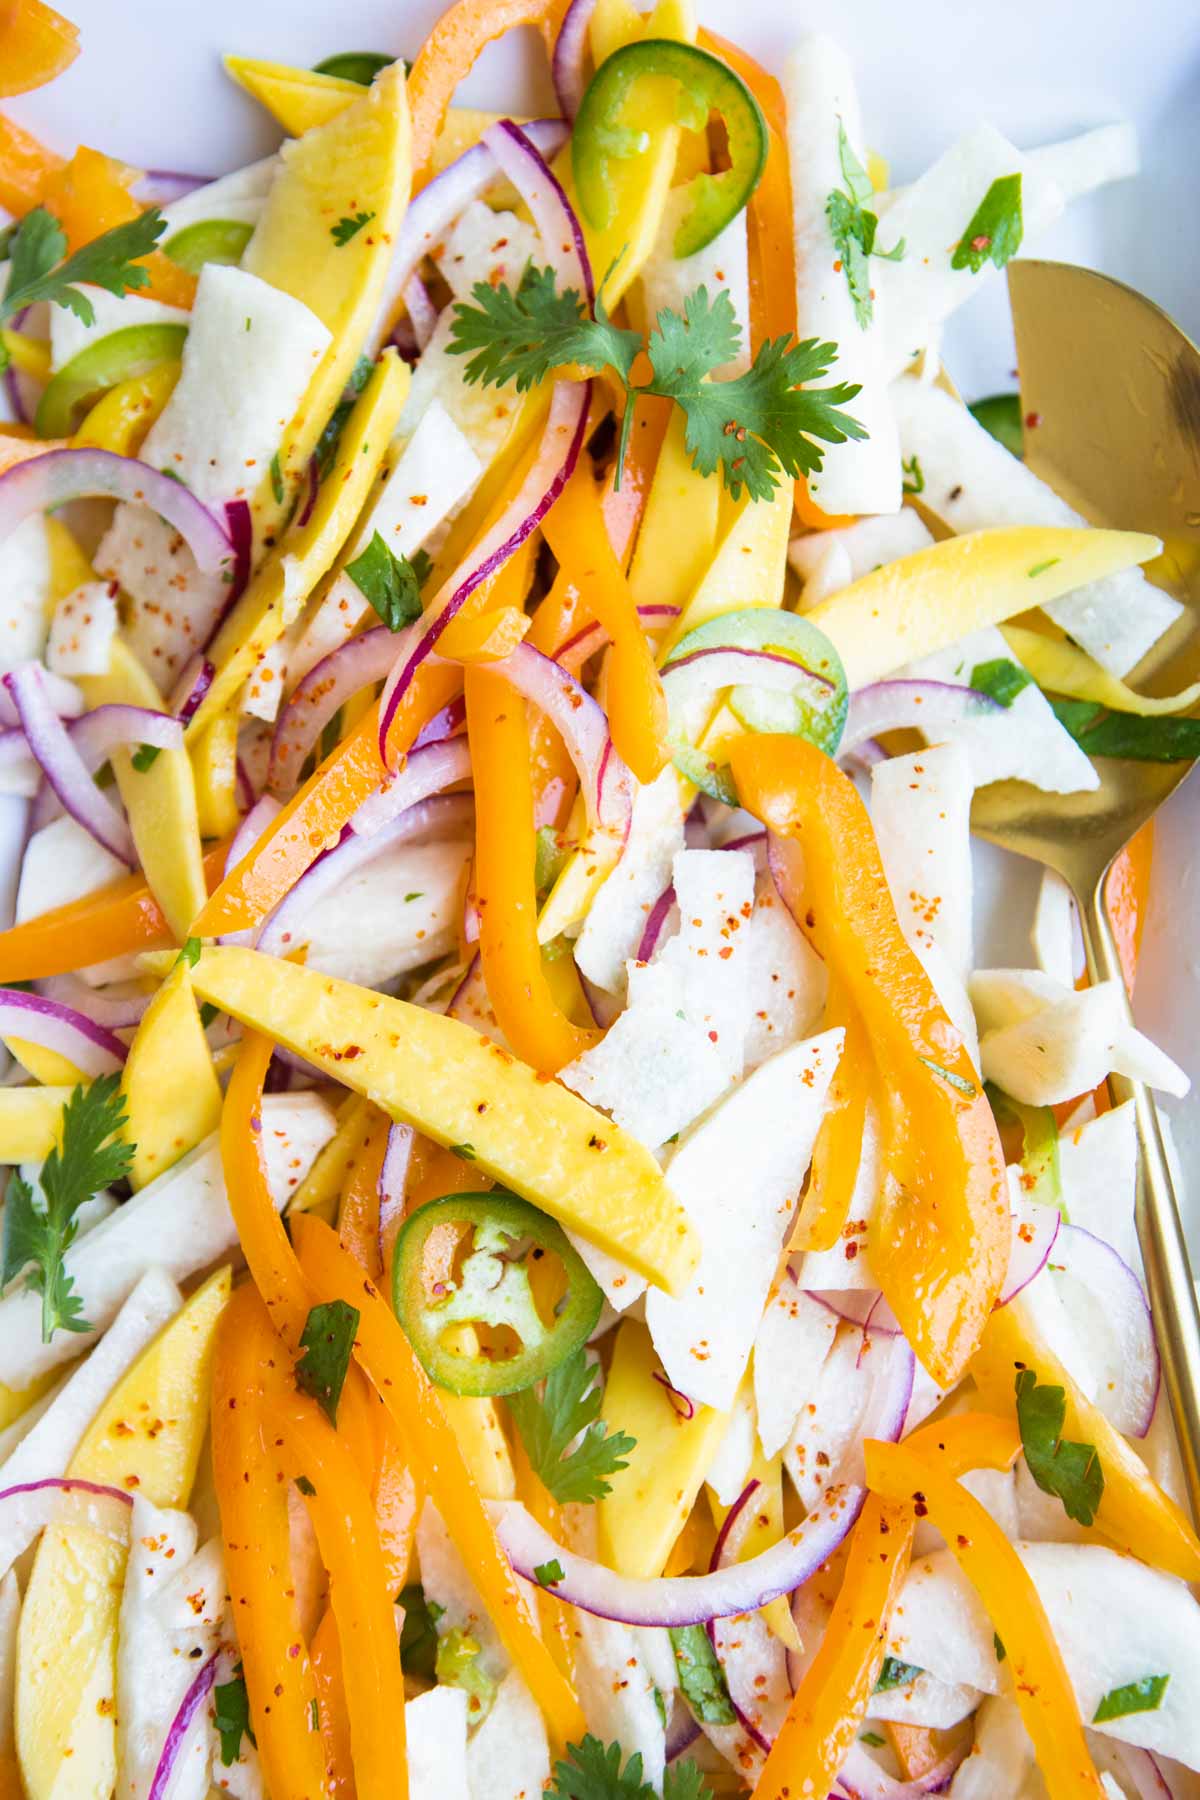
914,475
995,229
277,479
896,1674
231,1716
145,756
1134,1697
549,1574
346,228
1072,1472
418,1637
305,1486
327,1341
1001,678
852,225
570,1406
190,954
37,271
388,582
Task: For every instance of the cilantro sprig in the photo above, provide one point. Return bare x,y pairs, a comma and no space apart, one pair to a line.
1071,1472
995,228
37,1237
38,271
570,1406
751,428
390,583
592,1771
853,226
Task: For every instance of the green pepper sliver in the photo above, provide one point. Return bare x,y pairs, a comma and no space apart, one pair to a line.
706,85
487,1286
117,356
208,240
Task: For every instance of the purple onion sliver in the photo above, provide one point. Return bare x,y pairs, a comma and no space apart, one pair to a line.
106,1010
62,765
928,706
544,195
570,51
92,1048
354,665
681,1734
41,483
422,312
393,1183
241,538
683,1406
190,689
314,488
724,1551
655,920
581,723
189,1706
444,724
1122,1302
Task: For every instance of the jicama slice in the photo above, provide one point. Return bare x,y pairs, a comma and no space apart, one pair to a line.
794,1337
1080,164
81,631
785,978
738,1176
1055,936
921,811
238,195
828,560
822,114
617,1692
1002,1759
1098,1170
435,1729
63,862
389,916
448,1585
24,592
616,920
508,1754
1044,1044
924,1700
828,1420
972,482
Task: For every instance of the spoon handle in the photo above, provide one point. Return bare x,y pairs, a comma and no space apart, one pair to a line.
1159,1227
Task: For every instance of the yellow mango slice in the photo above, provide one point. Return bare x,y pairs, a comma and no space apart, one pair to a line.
171,1092
30,1121
69,567
147,1437
1062,667
15,1401
298,98
121,420
648,1506
678,534
44,1065
359,162
276,594
523,1129
160,801
214,770
321,1189
912,607
748,568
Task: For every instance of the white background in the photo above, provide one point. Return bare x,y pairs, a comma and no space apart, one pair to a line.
149,88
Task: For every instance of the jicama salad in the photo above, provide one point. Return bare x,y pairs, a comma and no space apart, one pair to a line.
536,1257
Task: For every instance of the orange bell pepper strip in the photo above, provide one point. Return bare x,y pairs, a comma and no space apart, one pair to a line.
831,1702
450,52
252,1497
1134,1513
974,1440
25,167
1042,1686
344,1521
358,1218
398,1501
90,195
36,44
575,530
325,1652
809,513
940,1234
421,1424
1127,895
265,1244
116,920
505,853
838,1149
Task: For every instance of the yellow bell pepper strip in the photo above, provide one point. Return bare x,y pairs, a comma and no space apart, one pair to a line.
36,44
344,1522
325,1654
450,52
26,166
831,1702
576,532
116,920
252,1497
398,1501
825,1208
121,420
172,1098
939,1237
505,855
263,1239
974,1440
90,195
292,569
1134,1513
1042,1687
412,1402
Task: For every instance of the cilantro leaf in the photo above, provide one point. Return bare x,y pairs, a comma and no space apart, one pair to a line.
700,1675
346,228
1072,1472
521,334
548,1574
569,1406
91,1157
389,582
852,226
418,1635
914,475
327,1341
231,1716
895,1674
1002,678
109,261
1134,1697
1128,735
995,229
145,757
684,1781
593,1771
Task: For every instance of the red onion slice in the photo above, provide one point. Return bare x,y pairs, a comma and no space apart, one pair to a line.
62,765
63,696
189,1706
421,311
159,187
424,772
928,706
574,652
90,1047
115,1012
393,1182
754,1661
570,52
1035,1229
44,482
27,1509
682,1599
444,724
261,814
681,1733
1126,1313
544,195
857,1306
656,918
679,1400
353,666
557,456
112,727
194,682
241,537
1143,1770
581,722
862,1778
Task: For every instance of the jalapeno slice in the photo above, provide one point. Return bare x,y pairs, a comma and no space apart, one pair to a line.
464,1261
706,85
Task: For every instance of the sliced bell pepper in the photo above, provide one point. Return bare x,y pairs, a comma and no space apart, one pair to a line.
90,195
837,1152
121,421
576,532
27,355
36,44
940,1233
384,1352
704,85
1134,1513
358,1215
117,920
505,854
252,1496
1127,896
26,167
1041,1683
343,1518
265,1244
333,1713
829,1705
974,1440
448,55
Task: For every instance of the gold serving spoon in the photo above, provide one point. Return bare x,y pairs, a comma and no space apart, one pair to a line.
1112,390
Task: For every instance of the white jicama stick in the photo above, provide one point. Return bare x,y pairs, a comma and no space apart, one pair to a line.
828,560
82,629
668,280
10,1612
857,477
972,482
921,812
1081,164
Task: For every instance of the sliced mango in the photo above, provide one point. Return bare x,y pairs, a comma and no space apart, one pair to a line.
748,569
524,1130
147,1437
121,420
172,1096
298,98
278,591
214,770
321,1189
69,567
30,1121
15,1401
44,1065
649,1504
359,162
678,534
912,607
160,800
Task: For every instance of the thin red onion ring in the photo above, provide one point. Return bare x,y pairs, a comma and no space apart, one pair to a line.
862,1778
570,51
194,682
90,1047
393,1182
929,706
107,1010
558,227
574,652
1121,1297
62,694
29,1507
353,666
189,1706
581,722
241,537
683,1406
62,765
1035,1229
41,483
657,917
